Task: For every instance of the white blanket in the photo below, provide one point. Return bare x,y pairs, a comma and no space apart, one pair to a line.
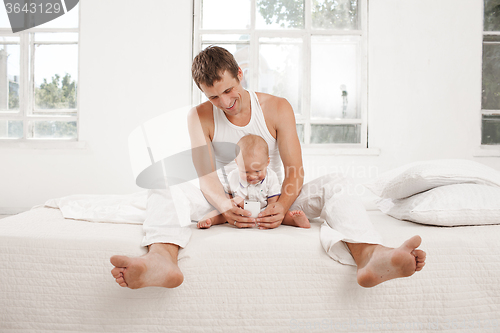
129,208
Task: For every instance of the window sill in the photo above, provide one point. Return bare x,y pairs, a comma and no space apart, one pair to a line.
42,144
487,151
310,150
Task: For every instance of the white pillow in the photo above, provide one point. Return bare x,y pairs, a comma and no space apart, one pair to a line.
422,176
450,205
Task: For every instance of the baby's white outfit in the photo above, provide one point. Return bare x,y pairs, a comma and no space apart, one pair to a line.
267,188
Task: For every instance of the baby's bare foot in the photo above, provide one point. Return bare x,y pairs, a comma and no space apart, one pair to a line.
300,219
204,224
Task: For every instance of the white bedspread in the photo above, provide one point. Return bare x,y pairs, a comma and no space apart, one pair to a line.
55,277
129,208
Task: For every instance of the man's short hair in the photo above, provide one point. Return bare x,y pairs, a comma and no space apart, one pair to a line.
211,63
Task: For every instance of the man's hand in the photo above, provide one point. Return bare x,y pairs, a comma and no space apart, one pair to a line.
233,212
272,216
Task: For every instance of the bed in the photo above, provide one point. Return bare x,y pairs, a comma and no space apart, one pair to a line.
55,277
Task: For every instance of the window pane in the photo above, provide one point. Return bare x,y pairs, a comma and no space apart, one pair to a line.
53,129
240,53
279,14
491,75
225,14
9,76
491,15
335,134
9,39
280,69
334,77
56,76
300,132
335,14
12,129
491,130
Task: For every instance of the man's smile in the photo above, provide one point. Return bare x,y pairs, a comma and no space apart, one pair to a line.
229,108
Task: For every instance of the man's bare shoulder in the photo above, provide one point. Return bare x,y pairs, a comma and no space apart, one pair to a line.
274,106
202,114
204,110
270,101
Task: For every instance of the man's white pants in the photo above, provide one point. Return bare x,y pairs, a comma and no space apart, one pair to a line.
169,214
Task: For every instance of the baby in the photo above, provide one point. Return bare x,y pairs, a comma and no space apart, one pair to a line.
253,181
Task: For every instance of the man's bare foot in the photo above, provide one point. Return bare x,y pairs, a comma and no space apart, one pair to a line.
157,268
299,219
377,263
204,224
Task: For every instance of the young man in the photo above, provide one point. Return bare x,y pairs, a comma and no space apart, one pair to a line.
230,113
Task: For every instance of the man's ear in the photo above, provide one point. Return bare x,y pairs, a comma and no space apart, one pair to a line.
240,74
268,161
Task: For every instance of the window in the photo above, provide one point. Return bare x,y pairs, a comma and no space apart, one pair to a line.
312,52
39,79
490,102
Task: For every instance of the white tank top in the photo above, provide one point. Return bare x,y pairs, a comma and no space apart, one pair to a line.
225,131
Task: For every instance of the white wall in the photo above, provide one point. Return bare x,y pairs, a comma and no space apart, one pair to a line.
424,100
424,93
135,59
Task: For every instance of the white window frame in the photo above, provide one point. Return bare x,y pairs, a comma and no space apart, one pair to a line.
306,33
485,150
488,112
27,90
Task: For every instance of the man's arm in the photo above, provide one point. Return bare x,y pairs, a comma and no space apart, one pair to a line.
204,159
291,155
204,162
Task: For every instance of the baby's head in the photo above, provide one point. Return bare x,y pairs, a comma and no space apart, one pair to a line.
253,158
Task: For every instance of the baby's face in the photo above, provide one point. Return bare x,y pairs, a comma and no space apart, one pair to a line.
253,169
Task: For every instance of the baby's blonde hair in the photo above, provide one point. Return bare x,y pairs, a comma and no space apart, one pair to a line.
251,145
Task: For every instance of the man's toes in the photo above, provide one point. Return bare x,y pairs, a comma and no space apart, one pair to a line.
413,243
120,261
419,254
117,272
419,266
121,282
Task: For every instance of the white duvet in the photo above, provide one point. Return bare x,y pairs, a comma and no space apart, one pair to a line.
129,208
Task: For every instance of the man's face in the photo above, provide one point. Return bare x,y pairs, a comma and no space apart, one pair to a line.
226,94
252,169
